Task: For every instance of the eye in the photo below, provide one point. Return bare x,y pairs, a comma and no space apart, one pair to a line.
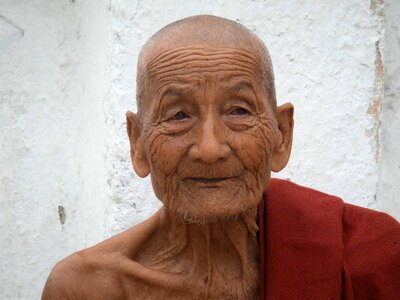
180,115
239,111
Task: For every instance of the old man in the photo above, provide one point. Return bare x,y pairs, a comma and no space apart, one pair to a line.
209,132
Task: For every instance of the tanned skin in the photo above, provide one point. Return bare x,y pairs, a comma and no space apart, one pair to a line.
209,133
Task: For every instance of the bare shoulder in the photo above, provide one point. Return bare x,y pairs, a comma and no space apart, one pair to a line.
88,274
98,272
65,278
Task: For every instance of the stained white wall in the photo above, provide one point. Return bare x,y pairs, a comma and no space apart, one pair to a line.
389,185
67,76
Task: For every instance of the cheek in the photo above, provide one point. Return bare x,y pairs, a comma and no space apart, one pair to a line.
254,146
164,153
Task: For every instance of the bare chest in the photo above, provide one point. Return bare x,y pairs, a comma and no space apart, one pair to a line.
144,282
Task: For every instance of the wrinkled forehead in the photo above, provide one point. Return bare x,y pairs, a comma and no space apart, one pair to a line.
194,64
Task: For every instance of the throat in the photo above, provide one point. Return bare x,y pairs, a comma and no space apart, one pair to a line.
217,260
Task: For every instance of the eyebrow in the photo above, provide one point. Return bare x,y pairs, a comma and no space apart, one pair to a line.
238,84
175,87
241,87
175,91
171,94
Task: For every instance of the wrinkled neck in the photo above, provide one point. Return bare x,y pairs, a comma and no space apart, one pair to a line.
238,230
219,253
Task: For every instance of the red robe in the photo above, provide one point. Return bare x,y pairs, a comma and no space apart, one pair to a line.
314,246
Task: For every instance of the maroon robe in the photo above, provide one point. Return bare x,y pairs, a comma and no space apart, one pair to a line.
314,246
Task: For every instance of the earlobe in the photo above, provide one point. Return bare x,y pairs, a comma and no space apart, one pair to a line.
139,160
284,137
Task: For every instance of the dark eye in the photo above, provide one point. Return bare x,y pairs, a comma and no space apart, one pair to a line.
239,111
180,115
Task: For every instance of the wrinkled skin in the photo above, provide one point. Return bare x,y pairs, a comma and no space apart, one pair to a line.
208,133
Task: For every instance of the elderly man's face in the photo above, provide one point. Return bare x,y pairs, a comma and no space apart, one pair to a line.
207,133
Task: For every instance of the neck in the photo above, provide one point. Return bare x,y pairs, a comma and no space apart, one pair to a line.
219,258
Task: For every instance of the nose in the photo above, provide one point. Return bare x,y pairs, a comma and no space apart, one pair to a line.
211,145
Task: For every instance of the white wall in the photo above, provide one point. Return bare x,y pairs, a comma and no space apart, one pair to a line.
39,125
67,76
53,182
389,187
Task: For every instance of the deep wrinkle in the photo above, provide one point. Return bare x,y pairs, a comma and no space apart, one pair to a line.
209,100
244,90
183,54
205,59
240,91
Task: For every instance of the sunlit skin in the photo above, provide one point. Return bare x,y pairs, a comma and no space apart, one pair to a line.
208,133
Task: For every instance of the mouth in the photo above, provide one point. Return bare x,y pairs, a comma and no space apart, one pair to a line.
210,182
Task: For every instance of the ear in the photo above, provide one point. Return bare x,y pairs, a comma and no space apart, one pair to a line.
138,157
284,138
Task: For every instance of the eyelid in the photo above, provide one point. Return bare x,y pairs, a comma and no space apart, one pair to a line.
169,103
240,103
170,114
173,117
239,107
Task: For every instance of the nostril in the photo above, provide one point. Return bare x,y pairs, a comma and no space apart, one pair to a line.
209,153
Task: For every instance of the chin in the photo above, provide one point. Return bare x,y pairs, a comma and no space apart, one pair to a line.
200,200
209,205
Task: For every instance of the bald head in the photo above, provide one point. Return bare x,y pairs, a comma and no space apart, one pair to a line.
205,31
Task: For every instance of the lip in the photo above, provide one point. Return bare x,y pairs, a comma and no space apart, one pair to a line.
209,180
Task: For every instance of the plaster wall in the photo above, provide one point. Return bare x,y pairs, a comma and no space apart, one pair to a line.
39,117
389,185
53,182
68,76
